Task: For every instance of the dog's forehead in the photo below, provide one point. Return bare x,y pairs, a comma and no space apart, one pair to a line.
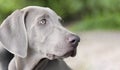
36,12
41,11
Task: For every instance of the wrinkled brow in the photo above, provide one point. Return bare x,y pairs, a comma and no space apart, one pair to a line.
45,16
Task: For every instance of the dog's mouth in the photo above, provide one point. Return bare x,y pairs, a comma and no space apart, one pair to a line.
67,54
70,53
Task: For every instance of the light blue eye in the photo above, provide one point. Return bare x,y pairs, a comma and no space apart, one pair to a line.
43,21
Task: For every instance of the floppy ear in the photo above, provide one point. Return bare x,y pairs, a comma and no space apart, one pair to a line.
13,34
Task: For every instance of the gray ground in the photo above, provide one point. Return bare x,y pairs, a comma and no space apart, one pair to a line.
97,50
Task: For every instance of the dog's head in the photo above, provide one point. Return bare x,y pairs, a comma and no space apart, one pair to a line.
39,29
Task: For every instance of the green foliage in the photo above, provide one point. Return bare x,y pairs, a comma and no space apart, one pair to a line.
93,14
63,8
104,5
100,22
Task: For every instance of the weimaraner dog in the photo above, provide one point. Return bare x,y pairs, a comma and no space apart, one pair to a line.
36,38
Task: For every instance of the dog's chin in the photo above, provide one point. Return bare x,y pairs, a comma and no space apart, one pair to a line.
67,54
70,53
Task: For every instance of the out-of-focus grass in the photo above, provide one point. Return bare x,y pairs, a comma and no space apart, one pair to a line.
99,22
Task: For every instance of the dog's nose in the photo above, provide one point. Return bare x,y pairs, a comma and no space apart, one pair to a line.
73,40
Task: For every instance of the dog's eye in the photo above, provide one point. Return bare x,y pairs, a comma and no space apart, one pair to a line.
43,21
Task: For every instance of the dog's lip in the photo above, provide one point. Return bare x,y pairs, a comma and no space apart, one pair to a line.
70,53
73,53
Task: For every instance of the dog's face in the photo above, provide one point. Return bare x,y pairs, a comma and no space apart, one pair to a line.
39,29
46,34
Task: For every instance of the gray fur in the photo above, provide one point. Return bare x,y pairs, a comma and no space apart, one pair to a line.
34,33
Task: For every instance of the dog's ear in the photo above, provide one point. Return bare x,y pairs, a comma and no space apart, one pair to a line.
13,34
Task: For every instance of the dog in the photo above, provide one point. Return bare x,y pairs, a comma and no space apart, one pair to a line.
34,39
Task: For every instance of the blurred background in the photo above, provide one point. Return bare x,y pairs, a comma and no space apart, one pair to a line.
80,14
97,22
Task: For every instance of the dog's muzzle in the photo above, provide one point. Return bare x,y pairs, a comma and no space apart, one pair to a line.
73,40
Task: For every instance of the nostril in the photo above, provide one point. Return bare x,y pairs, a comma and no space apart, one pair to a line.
74,39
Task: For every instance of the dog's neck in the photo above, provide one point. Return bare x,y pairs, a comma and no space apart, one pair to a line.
29,62
30,65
